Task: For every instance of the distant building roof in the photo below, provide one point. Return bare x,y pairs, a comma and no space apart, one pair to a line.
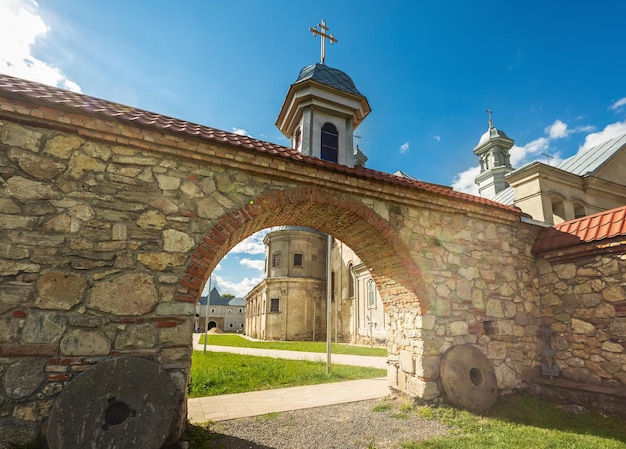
584,163
215,299
506,196
591,228
404,175
587,162
237,302
330,77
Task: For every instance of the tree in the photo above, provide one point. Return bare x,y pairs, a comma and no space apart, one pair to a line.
228,296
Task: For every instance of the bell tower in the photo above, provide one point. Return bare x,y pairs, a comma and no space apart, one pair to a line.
322,110
493,153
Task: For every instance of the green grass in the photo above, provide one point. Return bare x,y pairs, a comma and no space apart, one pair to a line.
301,346
522,421
216,373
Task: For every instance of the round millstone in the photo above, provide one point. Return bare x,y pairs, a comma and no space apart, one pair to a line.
468,379
116,404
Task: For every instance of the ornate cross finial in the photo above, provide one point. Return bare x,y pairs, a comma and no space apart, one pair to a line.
489,113
322,32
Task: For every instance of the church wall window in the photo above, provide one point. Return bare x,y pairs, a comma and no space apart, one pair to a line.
330,143
274,305
579,210
297,260
276,260
558,210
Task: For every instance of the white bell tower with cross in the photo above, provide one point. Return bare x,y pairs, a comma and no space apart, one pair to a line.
322,109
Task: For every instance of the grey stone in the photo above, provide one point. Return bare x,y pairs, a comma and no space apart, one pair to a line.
119,403
22,378
468,379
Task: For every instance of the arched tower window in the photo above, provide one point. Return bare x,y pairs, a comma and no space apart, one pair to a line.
330,143
297,140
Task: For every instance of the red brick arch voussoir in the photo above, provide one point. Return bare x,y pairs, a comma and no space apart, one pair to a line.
336,213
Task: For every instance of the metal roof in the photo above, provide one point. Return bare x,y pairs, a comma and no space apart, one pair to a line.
330,77
506,196
587,162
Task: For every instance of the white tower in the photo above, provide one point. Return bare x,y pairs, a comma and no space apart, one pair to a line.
322,110
493,153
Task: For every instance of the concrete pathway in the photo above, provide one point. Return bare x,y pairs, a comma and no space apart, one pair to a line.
231,406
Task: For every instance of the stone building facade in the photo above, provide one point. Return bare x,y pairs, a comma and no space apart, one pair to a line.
214,311
290,302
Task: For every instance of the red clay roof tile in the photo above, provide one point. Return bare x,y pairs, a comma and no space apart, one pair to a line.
596,227
72,100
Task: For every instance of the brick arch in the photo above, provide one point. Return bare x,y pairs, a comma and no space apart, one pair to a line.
378,245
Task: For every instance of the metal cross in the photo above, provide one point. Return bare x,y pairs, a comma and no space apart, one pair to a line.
547,155
322,32
489,113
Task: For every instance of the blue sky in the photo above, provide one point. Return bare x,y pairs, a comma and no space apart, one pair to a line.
552,72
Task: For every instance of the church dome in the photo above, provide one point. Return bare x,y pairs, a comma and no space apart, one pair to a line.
330,77
492,133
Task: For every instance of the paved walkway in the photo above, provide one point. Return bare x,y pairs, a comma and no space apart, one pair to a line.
231,406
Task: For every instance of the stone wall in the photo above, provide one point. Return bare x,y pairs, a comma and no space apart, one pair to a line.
481,278
109,230
584,303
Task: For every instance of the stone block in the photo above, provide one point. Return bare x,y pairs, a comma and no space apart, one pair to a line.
82,342
129,294
459,328
59,290
497,350
582,327
407,362
23,378
427,366
423,389
392,376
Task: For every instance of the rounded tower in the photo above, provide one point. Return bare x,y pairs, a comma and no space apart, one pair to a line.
493,153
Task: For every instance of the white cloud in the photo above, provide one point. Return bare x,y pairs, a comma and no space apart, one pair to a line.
557,130
239,289
404,147
609,131
533,148
437,138
464,181
251,245
255,264
241,132
20,28
618,104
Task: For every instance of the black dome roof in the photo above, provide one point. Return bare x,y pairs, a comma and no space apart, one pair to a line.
328,76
